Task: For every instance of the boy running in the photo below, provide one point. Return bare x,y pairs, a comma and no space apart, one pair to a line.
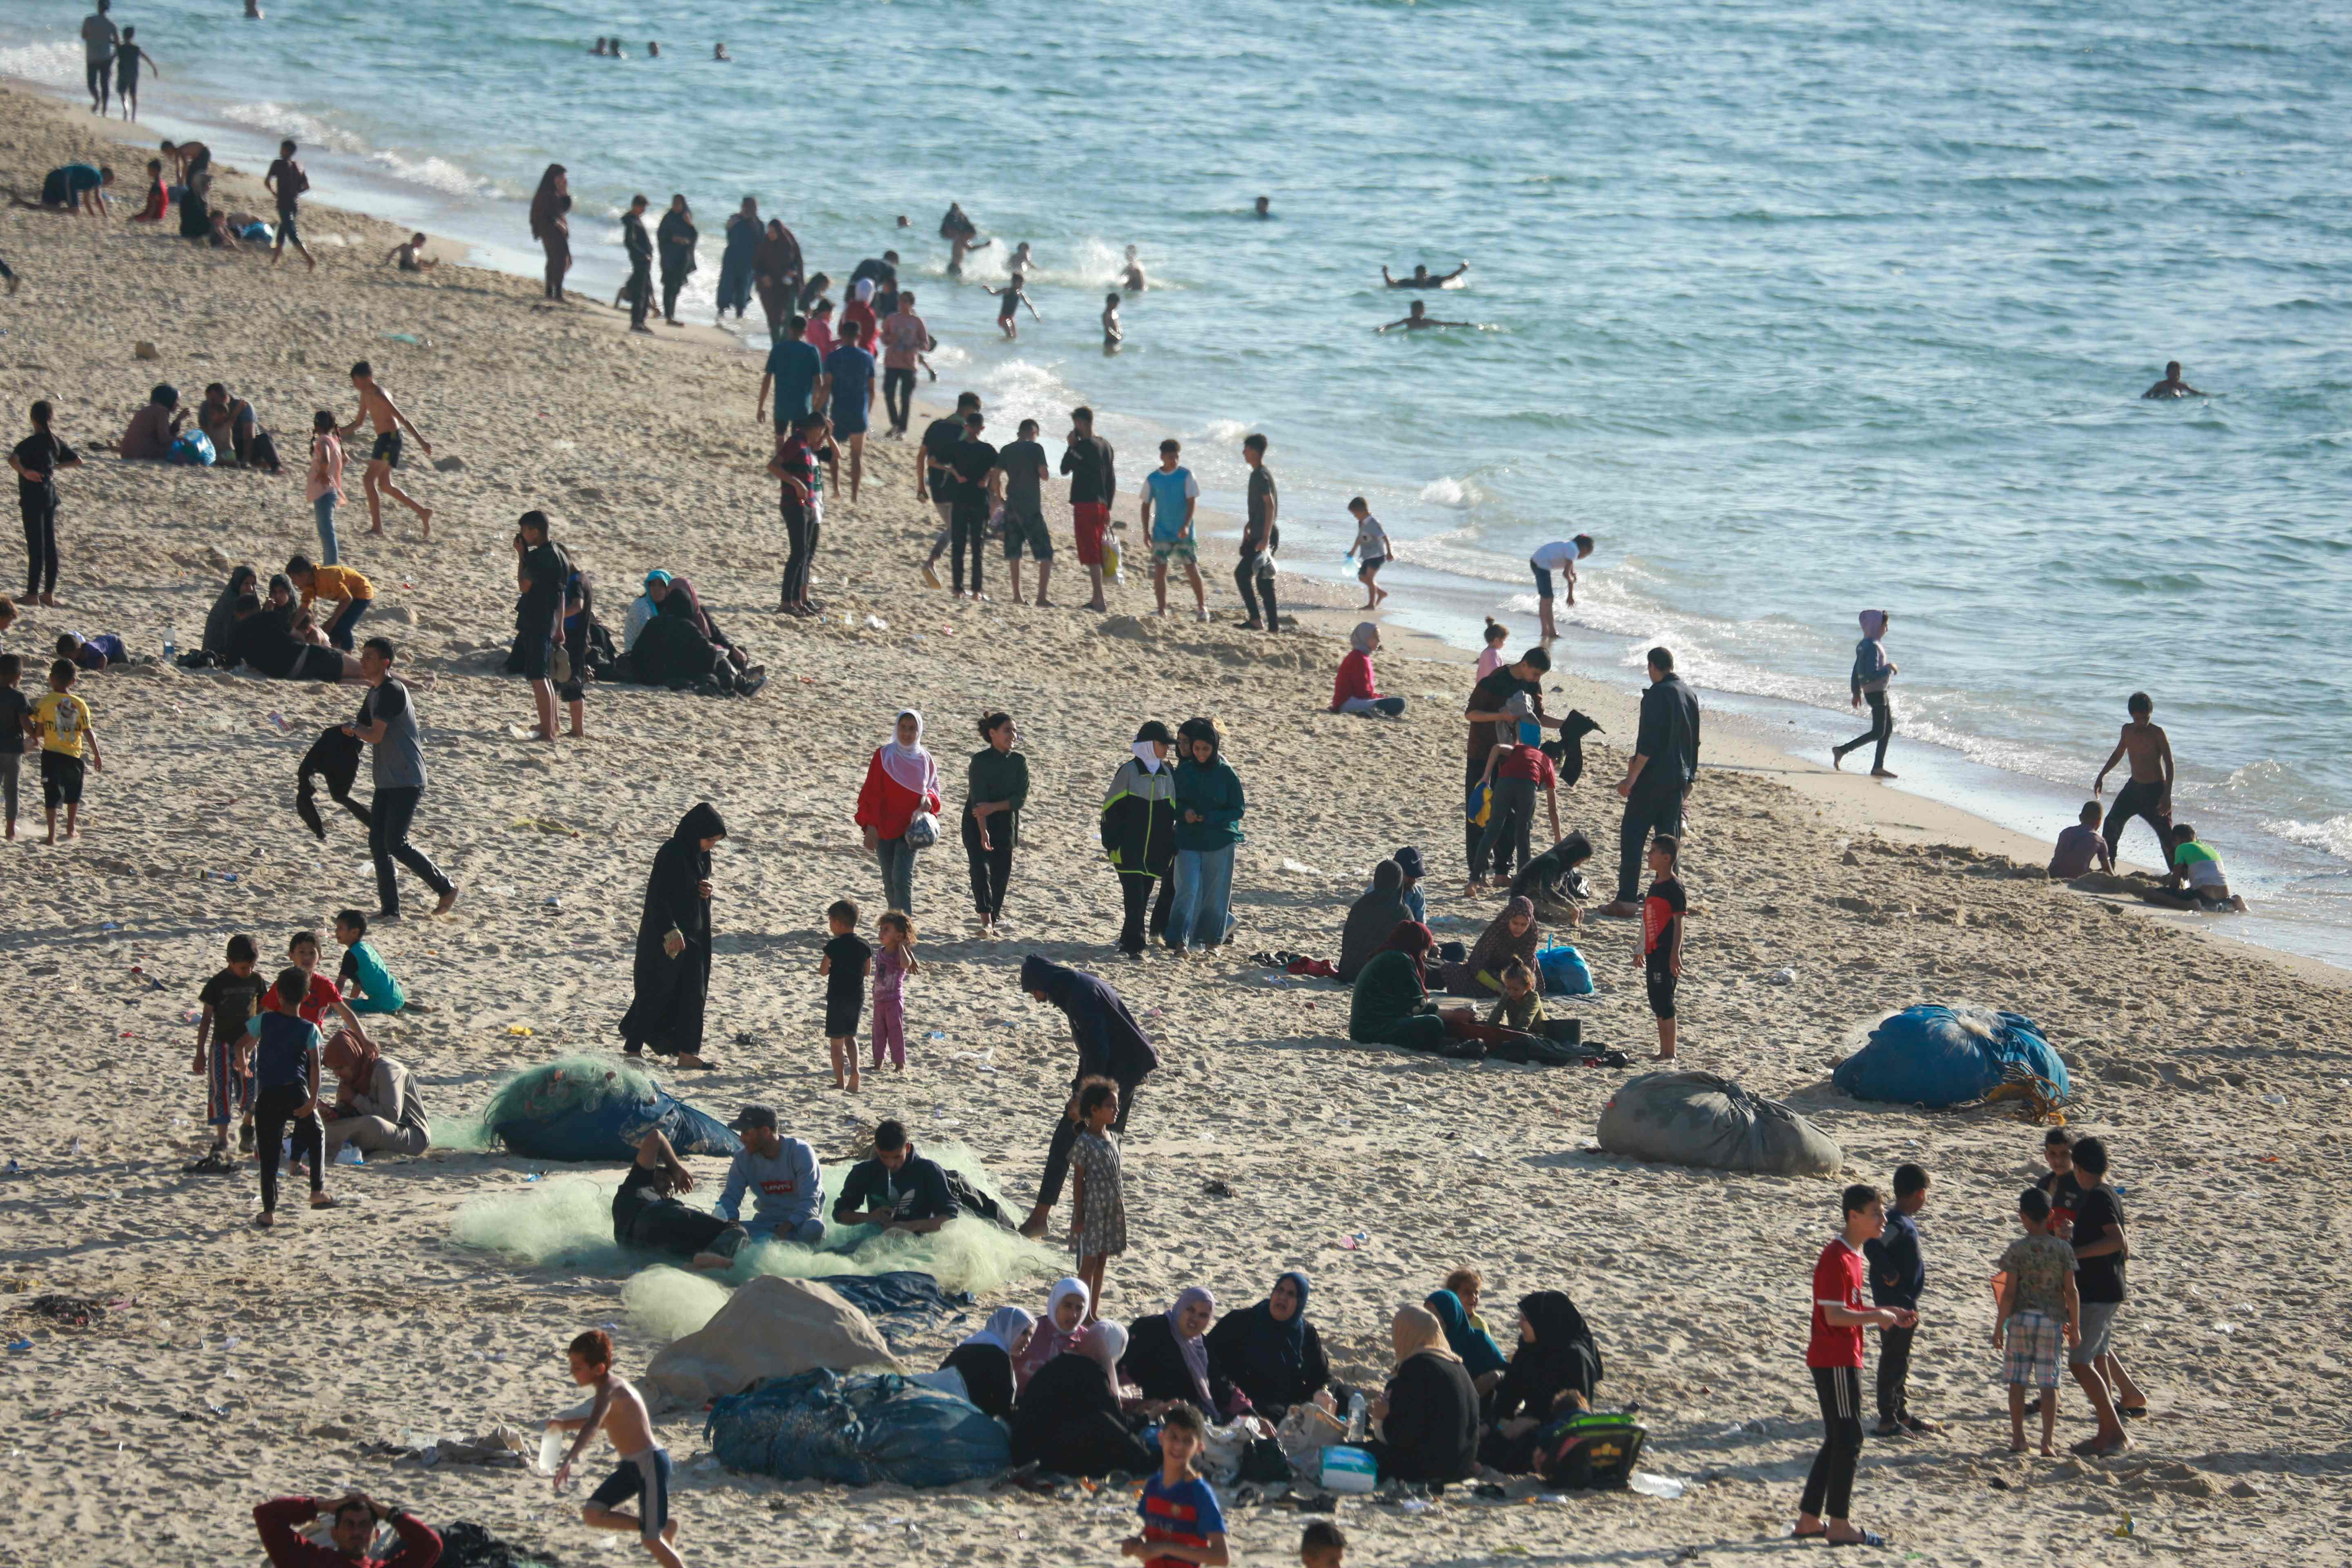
376,406
620,1413
1372,549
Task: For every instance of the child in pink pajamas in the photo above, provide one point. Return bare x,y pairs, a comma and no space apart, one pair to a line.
891,966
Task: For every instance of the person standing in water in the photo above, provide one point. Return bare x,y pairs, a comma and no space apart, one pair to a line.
2170,386
377,408
1422,278
678,236
1418,317
128,58
1132,278
639,244
2149,795
1872,670
99,41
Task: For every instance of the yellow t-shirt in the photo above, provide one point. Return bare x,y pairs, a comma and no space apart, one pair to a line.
63,718
336,582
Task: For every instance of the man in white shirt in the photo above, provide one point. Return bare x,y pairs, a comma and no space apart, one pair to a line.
1558,559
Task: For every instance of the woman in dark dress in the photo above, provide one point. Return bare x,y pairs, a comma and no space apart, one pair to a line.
776,271
1270,1352
551,227
1428,1413
984,1360
1167,1358
735,262
673,967
1068,1418
1553,1372
675,238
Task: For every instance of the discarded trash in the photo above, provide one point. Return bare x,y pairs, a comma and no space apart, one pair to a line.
877,623
1300,868
1784,977
20,1344
521,1031
1351,1243
1648,1485
409,338
348,1154
2274,1099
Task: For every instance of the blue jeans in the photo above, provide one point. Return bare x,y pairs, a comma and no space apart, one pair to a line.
339,634
324,509
1202,913
897,857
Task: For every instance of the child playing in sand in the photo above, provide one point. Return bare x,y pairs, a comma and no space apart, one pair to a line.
891,967
1833,1355
1372,545
1492,660
1181,1521
2039,1304
62,721
644,1473
1112,334
229,1001
363,980
409,255
1897,1276
2082,846
1521,1007
1011,299
844,967
1661,955
284,1051
92,654
15,719
2208,888
1099,1206
1323,1544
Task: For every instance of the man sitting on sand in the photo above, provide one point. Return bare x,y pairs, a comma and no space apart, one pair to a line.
647,1214
2172,385
1422,278
782,1177
410,255
2081,846
2207,890
897,1189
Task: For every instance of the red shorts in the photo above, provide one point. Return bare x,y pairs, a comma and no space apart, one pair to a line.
1093,520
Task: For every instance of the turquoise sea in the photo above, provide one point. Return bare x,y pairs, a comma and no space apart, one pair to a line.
1799,308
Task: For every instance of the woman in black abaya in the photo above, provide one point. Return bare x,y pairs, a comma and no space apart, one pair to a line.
673,966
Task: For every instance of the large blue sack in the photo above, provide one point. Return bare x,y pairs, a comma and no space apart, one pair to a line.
856,1430
1564,972
193,449
587,1108
1938,1055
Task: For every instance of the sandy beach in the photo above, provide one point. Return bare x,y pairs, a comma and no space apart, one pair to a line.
237,1365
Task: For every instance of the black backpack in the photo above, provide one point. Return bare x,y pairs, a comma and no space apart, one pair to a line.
1586,1451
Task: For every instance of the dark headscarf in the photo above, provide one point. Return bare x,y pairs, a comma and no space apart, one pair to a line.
779,254
1372,919
1497,946
1290,1338
1110,1043
220,621
1479,1352
1414,940
683,600
699,823
1558,1327
546,211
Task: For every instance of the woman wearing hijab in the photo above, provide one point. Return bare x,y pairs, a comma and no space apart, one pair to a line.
776,269
1480,1355
1428,1413
551,227
1209,807
1138,833
1352,691
900,781
1270,1352
1554,1370
735,261
684,587
195,196
1111,1045
1167,1358
1391,1004
644,608
671,650
1068,1418
984,1360
860,310
996,786
675,238
1872,670
1511,934
1371,918
673,966
376,1107
1065,1321
220,621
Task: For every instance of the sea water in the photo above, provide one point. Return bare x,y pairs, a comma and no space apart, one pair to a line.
1798,308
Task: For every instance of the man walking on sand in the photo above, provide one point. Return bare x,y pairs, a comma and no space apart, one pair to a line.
1658,779
287,182
387,722
2149,796
1087,458
376,407
640,246
99,40
1171,495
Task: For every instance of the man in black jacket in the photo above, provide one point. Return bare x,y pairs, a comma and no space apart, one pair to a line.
640,246
1111,1045
897,1189
1665,761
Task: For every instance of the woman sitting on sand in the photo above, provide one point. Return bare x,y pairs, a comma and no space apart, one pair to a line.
1168,1358
1390,1007
683,588
644,608
1429,1412
1353,690
1068,1418
1480,1356
1058,1330
674,651
1511,934
220,621
1270,1352
195,196
985,1361
1552,1373
1370,919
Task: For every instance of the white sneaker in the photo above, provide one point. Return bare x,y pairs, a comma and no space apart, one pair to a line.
1201,615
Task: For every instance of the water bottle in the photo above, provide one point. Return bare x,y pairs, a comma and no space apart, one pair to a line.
550,1450
1356,1416
171,645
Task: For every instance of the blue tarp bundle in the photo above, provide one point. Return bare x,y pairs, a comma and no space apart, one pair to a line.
1938,1055
593,1109
856,1430
902,1302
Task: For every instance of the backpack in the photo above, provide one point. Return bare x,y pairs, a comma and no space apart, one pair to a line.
1589,1451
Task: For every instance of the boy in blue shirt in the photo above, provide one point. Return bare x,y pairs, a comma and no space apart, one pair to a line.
1181,1522
367,985
283,1050
1897,1276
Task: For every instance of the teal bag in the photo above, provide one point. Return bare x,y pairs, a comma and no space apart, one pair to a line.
1565,972
193,449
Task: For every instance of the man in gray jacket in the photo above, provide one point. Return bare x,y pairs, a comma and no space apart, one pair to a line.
781,1176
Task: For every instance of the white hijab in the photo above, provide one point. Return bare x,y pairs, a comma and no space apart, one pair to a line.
1005,1327
862,291
909,767
1146,756
1362,638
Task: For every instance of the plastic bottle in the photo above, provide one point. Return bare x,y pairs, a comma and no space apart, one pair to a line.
1356,1410
171,645
550,1450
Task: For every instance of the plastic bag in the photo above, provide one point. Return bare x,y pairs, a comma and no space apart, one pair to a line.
193,449
923,830
1564,971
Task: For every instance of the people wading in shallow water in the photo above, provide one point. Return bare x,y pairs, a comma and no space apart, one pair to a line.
1871,671
673,962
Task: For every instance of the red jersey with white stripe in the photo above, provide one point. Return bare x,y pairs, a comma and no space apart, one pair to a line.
1838,1275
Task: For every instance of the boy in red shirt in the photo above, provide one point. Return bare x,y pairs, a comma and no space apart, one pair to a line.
1663,913
1834,1354
1514,772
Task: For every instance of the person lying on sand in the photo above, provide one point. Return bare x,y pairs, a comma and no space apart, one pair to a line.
1422,278
410,255
646,1213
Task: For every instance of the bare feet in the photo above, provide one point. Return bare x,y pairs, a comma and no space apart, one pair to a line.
1664,1057
423,524
1880,773
448,901
264,1221
1034,1225
1837,761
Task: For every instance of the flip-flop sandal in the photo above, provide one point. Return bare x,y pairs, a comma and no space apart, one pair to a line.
1867,1538
2132,1412
1809,1535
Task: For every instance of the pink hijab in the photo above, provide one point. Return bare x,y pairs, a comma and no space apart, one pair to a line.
909,767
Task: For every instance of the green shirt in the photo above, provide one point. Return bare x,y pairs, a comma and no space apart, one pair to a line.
1388,991
995,776
1215,792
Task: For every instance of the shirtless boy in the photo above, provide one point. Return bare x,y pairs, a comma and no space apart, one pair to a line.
377,408
1422,278
620,1413
1418,318
2149,796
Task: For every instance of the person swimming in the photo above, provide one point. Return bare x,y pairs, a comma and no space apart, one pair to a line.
1132,279
1422,278
1418,318
719,52
1265,206
2172,385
